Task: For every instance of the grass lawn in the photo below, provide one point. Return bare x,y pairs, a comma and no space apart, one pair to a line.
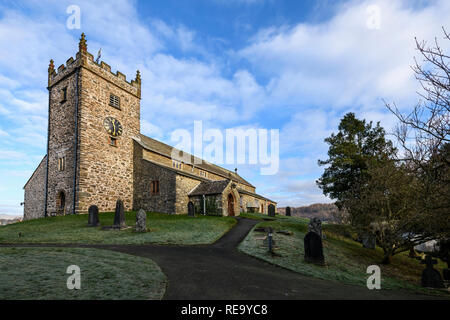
346,259
40,273
164,229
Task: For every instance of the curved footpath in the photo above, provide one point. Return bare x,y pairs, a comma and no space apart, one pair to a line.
220,272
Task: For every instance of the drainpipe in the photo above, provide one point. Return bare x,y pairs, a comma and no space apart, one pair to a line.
75,158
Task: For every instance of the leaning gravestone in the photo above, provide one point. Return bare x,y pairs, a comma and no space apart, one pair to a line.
315,225
314,248
271,210
431,278
119,215
191,209
93,216
288,211
141,221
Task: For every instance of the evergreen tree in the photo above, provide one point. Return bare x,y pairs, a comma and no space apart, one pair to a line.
350,152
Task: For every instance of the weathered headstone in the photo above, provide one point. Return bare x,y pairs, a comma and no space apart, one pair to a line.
271,210
141,221
93,220
446,274
315,225
313,248
431,278
119,215
270,238
191,209
288,211
368,241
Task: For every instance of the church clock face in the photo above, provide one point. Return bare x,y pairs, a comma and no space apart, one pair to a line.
112,126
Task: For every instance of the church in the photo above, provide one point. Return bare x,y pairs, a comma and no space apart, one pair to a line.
96,154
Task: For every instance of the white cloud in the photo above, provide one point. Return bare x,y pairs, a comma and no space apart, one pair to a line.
342,63
3,133
11,155
151,130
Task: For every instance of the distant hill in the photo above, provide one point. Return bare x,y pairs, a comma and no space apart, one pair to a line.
323,211
8,219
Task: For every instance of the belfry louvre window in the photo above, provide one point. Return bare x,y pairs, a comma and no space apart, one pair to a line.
61,163
154,187
114,101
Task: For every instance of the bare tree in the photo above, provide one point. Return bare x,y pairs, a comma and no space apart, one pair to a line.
423,131
387,206
424,135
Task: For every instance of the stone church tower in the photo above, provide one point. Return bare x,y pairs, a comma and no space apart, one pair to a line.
93,116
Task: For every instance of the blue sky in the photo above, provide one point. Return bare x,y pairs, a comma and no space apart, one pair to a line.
296,66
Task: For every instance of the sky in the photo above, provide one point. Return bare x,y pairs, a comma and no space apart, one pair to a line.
295,66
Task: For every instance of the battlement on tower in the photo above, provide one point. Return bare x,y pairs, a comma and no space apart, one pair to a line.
85,59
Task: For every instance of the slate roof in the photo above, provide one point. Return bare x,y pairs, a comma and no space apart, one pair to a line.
255,195
166,150
209,187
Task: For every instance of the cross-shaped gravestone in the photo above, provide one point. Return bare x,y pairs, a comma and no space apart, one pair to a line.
431,278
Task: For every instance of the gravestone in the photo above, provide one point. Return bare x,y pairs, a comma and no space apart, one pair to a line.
271,210
446,274
268,240
431,278
191,209
93,220
141,221
313,248
119,215
368,241
315,225
288,211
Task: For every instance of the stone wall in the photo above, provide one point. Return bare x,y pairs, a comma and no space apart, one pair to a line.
245,199
167,161
145,172
34,197
61,135
184,185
